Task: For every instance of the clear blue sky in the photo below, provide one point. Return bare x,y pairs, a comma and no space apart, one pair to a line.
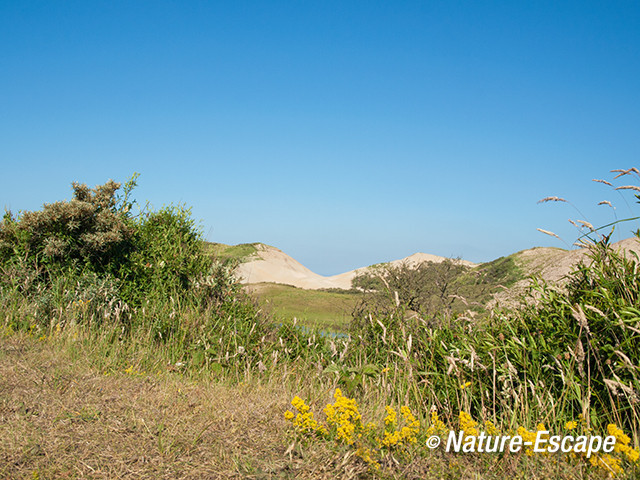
343,132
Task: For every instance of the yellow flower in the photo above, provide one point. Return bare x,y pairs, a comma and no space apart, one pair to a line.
437,426
527,437
468,425
570,425
365,454
622,443
465,385
344,416
391,416
607,463
399,437
491,428
304,420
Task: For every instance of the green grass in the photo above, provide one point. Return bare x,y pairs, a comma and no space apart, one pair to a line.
313,308
240,252
503,270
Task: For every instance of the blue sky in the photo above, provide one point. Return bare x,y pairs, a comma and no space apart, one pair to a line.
343,132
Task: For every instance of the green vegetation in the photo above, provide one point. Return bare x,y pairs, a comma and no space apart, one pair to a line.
240,253
434,290
324,310
141,296
502,271
88,267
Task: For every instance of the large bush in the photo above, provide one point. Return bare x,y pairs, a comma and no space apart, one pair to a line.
151,256
89,231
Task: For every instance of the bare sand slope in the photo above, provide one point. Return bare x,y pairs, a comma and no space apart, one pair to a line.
555,264
270,264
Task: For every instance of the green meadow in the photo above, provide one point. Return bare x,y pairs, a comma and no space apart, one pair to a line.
316,309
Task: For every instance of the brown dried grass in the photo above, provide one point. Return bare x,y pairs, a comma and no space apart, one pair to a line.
60,419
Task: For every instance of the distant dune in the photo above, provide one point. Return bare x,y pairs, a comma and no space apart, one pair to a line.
269,264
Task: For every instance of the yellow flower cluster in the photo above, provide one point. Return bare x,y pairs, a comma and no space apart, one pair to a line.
399,437
391,417
468,425
622,443
344,416
529,438
365,454
608,462
437,426
303,420
490,428
345,425
132,371
401,429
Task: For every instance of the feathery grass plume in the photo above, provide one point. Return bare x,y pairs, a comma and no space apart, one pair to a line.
586,224
622,172
552,199
606,202
573,223
628,187
602,181
547,232
559,199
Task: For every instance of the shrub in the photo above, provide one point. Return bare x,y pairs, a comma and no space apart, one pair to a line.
428,289
89,231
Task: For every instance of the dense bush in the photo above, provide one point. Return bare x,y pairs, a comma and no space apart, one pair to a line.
429,289
89,231
587,337
156,254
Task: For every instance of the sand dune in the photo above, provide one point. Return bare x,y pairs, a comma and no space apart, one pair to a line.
554,266
270,264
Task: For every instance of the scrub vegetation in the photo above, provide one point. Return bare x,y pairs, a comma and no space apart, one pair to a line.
128,350
238,253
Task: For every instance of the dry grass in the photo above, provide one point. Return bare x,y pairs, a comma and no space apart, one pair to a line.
64,420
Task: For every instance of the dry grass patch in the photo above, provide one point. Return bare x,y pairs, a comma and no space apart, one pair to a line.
63,420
